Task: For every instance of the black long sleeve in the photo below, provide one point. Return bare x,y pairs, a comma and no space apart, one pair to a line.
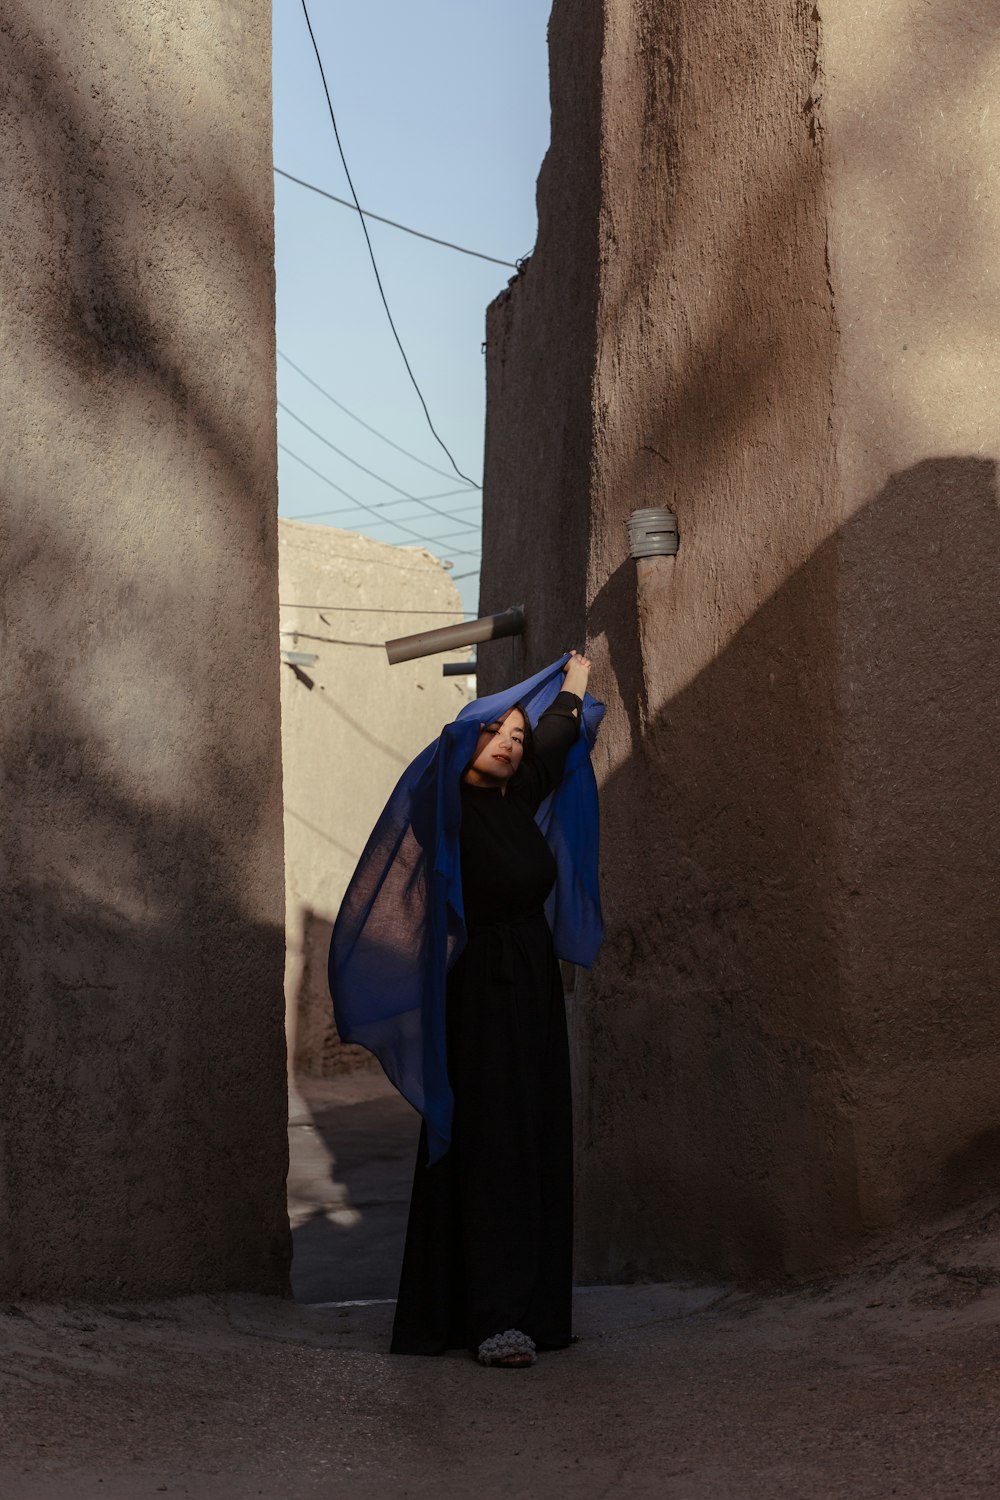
554,734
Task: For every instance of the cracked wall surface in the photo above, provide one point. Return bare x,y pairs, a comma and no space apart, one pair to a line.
764,294
142,1116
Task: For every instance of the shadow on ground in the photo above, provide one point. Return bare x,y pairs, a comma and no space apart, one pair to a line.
352,1142
878,1384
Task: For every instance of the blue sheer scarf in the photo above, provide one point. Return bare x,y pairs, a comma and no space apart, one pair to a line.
401,923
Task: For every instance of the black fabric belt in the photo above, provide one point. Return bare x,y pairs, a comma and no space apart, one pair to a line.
505,931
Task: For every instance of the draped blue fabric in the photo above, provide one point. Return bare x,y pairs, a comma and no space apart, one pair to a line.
401,923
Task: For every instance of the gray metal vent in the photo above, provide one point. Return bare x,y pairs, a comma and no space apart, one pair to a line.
653,532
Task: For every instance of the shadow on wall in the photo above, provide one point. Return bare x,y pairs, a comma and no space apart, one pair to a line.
319,1051
790,1035
99,317
133,1160
142,1120
786,1042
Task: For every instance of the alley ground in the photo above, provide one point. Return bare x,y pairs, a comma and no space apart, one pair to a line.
882,1383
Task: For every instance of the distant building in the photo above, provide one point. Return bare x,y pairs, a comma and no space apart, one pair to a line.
350,723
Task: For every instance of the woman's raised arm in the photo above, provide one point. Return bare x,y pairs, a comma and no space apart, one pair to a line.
576,674
554,735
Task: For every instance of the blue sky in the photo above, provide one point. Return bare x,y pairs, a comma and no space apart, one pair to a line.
443,113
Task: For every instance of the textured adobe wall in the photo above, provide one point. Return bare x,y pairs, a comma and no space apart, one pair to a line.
786,1041
712,1130
142,1116
350,724
702,1037
912,138
540,339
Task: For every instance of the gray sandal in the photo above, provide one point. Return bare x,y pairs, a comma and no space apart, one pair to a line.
494,1351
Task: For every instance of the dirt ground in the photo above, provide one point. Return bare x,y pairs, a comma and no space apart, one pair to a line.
884,1382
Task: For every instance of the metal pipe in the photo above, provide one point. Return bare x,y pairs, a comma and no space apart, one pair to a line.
653,532
459,669
451,637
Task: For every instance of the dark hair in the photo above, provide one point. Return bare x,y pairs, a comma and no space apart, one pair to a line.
529,734
528,753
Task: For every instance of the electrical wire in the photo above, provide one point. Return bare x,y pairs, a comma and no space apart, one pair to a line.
358,504
450,536
446,537
356,609
371,253
384,505
367,214
395,563
404,494
332,640
283,406
374,430
400,526
371,509
324,515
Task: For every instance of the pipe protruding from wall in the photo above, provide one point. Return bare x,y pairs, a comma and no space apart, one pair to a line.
653,542
652,532
451,637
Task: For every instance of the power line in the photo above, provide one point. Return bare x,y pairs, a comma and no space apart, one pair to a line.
332,640
322,515
404,494
354,416
360,505
357,609
371,509
341,454
447,536
367,214
371,253
379,505
340,491
451,535
398,566
457,577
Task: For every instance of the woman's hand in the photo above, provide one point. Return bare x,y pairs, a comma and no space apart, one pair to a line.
577,674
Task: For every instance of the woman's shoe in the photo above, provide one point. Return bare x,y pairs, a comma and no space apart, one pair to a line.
512,1350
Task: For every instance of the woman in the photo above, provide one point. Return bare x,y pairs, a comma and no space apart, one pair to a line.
488,1258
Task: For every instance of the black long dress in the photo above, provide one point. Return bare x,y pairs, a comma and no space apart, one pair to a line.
489,1242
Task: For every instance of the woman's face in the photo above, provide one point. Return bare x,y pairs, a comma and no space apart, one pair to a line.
499,751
